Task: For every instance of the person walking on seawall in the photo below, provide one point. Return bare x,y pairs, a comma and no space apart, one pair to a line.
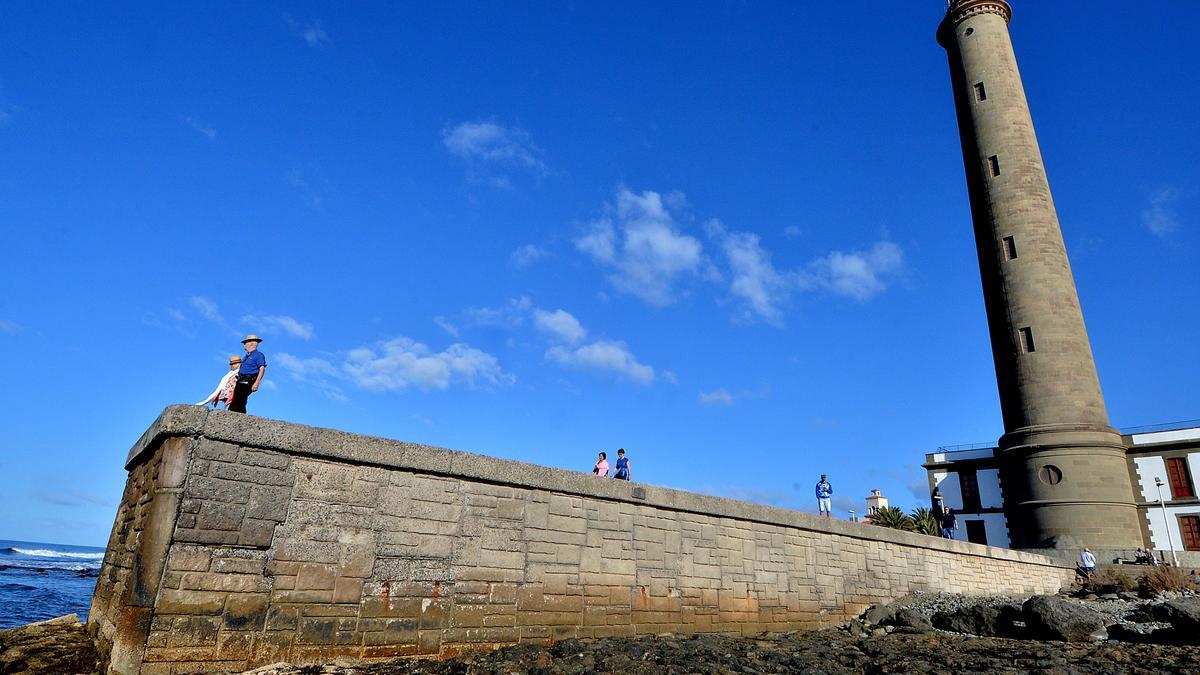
601,468
250,373
949,524
224,391
824,497
1087,563
622,470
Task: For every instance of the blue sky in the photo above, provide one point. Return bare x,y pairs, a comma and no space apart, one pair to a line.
731,237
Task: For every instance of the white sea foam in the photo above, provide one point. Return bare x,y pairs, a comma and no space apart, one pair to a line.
46,553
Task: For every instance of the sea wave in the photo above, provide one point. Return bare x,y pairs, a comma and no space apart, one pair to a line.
48,553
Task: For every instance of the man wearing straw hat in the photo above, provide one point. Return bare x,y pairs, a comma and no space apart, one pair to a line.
250,373
224,391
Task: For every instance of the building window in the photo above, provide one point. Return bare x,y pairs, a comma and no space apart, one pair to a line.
968,482
1181,481
1026,339
994,165
1189,527
1010,248
976,532
980,92
1050,475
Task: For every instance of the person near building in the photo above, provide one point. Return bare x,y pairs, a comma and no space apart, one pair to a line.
824,497
224,391
949,524
250,373
601,468
1087,563
622,470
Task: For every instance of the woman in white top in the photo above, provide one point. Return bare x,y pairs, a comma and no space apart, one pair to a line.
224,391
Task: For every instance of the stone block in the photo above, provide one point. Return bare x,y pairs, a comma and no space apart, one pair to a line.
257,533
347,590
255,475
189,559
220,516
268,502
246,611
185,602
316,630
316,577
271,460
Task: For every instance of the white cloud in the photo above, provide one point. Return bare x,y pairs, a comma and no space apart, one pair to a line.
526,255
403,362
1160,217
279,324
444,323
560,324
200,127
510,315
207,308
860,274
604,355
718,397
791,232
306,369
312,33
10,327
489,142
396,364
755,282
644,251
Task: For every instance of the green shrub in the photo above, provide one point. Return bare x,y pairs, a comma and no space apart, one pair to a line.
892,517
924,522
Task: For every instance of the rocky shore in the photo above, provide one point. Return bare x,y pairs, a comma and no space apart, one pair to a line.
920,634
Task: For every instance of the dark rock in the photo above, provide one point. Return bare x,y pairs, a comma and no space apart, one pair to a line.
911,620
59,645
1049,617
1183,615
976,620
877,614
1126,595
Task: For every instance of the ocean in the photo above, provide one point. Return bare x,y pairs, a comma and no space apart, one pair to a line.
41,581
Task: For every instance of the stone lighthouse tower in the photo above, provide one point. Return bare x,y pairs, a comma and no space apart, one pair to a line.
1065,479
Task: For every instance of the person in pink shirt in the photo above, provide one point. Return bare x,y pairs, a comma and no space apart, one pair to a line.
601,466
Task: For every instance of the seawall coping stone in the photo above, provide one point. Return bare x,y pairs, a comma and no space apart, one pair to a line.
301,440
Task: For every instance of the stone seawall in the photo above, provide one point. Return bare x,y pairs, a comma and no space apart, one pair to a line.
242,541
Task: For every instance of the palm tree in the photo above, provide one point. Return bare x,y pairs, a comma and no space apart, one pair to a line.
892,517
924,521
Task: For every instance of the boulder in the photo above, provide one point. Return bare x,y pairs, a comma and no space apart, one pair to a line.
909,621
59,645
976,620
877,614
1050,617
1183,615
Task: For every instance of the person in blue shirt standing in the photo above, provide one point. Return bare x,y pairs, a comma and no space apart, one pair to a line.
824,493
623,470
250,374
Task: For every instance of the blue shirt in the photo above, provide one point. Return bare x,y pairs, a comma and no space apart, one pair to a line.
824,489
253,361
622,467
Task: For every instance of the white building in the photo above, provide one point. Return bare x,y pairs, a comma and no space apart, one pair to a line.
875,502
969,482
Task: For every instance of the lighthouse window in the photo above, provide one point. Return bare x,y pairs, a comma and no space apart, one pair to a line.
994,164
1010,248
1026,339
980,92
968,32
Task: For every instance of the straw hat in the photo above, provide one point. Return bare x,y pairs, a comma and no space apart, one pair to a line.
235,359
251,338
